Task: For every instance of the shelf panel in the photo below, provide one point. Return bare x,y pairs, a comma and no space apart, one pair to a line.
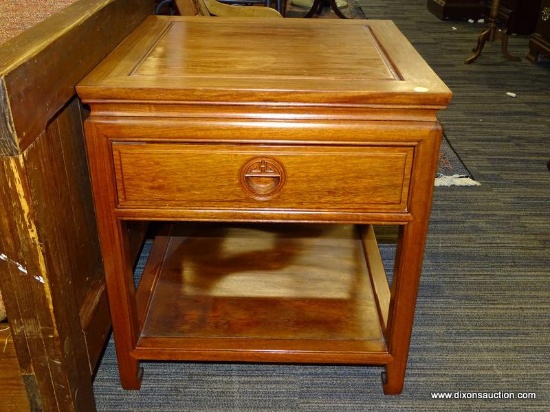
261,292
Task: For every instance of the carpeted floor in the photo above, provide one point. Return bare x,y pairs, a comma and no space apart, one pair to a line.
450,169
483,313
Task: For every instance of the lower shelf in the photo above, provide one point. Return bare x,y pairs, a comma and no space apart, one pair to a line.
263,293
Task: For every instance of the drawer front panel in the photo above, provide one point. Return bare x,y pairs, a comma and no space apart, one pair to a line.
272,177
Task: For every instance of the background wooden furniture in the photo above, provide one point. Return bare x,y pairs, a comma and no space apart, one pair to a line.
215,8
518,16
457,9
492,33
254,8
52,280
317,7
539,43
278,5
230,132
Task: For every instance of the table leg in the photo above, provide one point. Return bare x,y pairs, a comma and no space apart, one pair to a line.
120,284
490,34
404,289
317,8
336,10
115,249
408,265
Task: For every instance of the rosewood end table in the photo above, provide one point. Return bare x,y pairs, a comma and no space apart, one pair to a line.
267,159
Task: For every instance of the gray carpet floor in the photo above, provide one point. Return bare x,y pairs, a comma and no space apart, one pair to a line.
483,315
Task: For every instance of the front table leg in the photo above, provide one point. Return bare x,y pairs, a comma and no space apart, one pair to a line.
408,265
122,301
404,289
115,249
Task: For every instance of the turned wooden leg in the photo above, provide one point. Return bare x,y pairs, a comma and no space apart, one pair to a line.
490,34
504,48
484,37
336,10
316,8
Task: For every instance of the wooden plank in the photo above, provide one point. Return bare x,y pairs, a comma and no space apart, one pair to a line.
56,176
22,289
58,307
83,255
70,42
8,145
68,151
13,397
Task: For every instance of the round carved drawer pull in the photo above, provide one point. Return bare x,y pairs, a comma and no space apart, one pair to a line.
262,177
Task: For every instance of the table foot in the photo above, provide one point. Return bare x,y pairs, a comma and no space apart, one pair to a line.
131,374
317,8
490,35
504,48
393,381
482,39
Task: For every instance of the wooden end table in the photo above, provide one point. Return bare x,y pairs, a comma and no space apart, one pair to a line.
274,145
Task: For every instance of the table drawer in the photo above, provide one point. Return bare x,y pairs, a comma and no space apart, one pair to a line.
273,177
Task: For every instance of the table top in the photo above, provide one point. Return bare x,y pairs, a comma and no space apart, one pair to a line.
336,62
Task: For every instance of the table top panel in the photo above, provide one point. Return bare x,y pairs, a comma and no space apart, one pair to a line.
224,51
266,60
